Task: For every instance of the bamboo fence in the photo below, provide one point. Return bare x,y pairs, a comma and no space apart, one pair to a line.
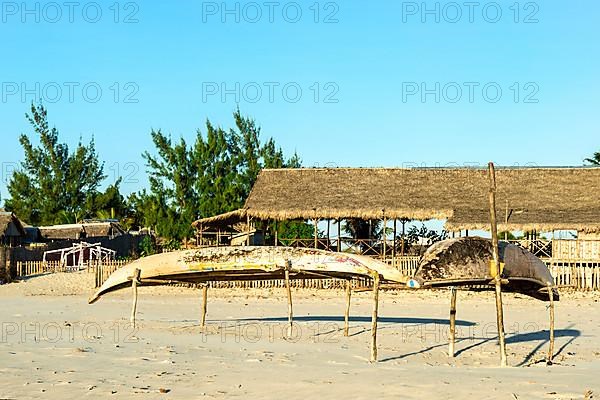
576,274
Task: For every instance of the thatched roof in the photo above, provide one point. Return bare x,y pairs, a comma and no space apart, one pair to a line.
10,225
545,198
221,220
62,232
79,231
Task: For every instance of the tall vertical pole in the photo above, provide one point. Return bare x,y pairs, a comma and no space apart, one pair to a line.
394,248
403,232
551,346
452,321
497,267
374,317
384,239
328,228
204,304
347,313
134,282
248,227
289,297
339,234
506,222
316,233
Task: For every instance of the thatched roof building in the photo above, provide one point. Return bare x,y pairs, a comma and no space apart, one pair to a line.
544,199
12,232
234,219
81,231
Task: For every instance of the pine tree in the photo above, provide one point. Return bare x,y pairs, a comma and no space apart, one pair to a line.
210,177
53,184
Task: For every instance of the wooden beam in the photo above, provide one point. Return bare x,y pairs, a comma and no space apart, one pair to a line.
452,321
134,282
289,298
248,227
347,313
374,318
497,266
403,233
316,233
328,228
394,248
384,239
204,304
339,234
551,345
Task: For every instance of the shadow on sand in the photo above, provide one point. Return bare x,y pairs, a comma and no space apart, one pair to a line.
385,320
542,336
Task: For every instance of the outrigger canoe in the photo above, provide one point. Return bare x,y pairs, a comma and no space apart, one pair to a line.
466,262
247,263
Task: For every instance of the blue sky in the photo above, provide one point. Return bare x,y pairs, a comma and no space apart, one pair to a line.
361,68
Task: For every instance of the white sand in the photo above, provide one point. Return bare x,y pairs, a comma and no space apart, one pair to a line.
54,345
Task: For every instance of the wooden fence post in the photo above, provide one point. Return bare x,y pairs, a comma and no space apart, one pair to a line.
134,282
347,313
551,344
204,304
289,297
374,318
452,321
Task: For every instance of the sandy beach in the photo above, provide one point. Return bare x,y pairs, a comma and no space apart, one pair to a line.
54,345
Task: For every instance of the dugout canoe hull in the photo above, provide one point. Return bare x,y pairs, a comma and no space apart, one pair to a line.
466,262
246,263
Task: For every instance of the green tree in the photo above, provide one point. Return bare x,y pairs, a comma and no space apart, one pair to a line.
595,160
53,185
109,204
213,175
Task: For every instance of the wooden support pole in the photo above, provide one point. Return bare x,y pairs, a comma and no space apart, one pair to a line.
328,248
374,318
394,248
496,261
452,321
339,234
134,282
347,313
248,227
316,233
403,232
384,236
289,297
551,348
204,304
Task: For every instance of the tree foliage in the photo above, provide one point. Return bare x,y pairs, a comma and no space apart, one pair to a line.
211,176
55,185
594,160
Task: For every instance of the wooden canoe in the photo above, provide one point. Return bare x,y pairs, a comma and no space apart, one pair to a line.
466,262
247,263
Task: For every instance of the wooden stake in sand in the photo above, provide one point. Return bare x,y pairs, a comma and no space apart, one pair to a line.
135,279
452,321
551,348
204,304
374,318
496,262
347,313
289,297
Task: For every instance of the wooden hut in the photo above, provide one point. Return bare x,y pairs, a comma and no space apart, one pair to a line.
85,230
12,232
227,229
529,199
